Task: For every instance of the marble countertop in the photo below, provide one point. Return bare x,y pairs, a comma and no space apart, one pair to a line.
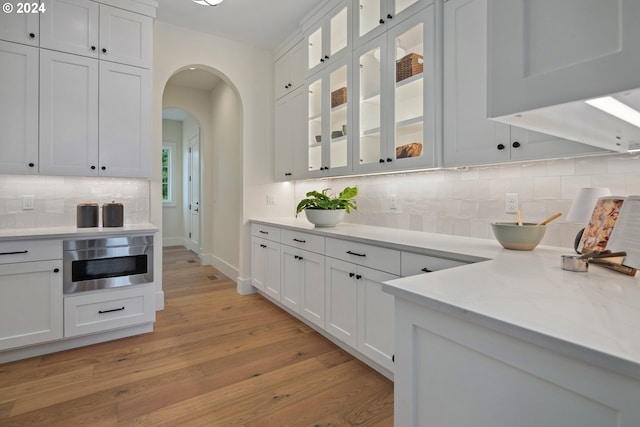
67,232
594,315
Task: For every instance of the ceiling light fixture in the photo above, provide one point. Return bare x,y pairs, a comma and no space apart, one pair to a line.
208,2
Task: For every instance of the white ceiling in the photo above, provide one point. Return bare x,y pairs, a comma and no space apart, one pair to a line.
262,23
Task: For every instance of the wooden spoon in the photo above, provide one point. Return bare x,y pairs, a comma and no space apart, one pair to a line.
519,214
551,218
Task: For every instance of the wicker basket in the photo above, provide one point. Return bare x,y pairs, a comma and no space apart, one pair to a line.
408,66
338,97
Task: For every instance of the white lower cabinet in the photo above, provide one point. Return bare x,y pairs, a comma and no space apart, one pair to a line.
303,283
30,302
92,312
265,266
342,301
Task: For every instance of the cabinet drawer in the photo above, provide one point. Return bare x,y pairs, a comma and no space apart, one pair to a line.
359,253
413,264
30,250
265,232
109,309
306,241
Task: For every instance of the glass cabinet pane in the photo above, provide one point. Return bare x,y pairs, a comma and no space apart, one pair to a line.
315,48
369,103
369,16
338,118
315,125
401,5
338,32
409,93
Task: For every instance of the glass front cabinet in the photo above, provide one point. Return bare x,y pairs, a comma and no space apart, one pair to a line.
394,87
329,38
328,138
374,17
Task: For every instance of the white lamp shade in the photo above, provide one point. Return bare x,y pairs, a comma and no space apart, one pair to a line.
584,203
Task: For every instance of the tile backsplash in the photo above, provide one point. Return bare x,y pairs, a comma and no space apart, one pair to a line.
56,198
465,201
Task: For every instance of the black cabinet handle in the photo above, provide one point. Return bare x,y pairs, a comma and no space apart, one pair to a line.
110,311
263,232
56,270
93,48
426,270
381,160
104,168
352,274
516,144
321,59
356,254
389,16
299,241
31,165
300,258
326,57
500,147
32,35
14,253
104,50
358,276
93,167
263,246
393,358
381,21
287,174
389,160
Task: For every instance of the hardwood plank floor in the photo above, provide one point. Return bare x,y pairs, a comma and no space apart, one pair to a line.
215,358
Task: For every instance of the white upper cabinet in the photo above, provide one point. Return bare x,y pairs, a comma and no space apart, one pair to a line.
329,38
20,27
91,127
469,136
289,70
395,89
373,17
290,135
19,109
547,57
86,28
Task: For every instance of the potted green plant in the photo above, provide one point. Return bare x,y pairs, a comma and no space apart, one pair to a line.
326,210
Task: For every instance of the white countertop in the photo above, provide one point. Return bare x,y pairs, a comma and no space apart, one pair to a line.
66,232
594,316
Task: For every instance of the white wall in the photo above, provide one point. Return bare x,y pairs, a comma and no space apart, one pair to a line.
248,72
465,202
172,214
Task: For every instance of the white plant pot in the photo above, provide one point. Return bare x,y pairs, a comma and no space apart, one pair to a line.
324,217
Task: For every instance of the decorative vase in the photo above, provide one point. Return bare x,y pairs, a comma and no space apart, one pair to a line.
324,217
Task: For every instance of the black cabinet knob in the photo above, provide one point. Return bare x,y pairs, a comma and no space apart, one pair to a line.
326,57
381,160
500,147
32,35
389,16
93,48
93,167
381,21
104,50
287,174
56,270
104,168
516,144
351,274
300,258
389,160
358,276
31,165
321,59
426,270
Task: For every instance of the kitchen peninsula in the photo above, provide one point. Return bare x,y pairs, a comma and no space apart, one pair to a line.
508,333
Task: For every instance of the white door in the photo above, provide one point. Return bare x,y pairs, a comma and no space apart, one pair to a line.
194,193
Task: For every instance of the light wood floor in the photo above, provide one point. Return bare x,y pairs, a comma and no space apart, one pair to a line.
215,359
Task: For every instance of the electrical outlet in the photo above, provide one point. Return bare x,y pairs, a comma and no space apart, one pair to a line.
511,202
271,200
28,203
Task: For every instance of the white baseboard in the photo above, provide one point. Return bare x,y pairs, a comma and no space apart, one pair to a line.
173,241
244,286
222,266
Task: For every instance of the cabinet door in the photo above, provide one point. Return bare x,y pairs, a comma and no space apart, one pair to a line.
373,17
469,136
30,303
125,37
19,109
341,300
290,136
329,38
20,27
258,263
375,317
68,114
289,70
265,266
292,277
125,121
70,26
413,136
312,299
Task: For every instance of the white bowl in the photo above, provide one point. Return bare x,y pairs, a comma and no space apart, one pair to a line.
324,217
